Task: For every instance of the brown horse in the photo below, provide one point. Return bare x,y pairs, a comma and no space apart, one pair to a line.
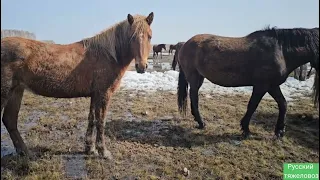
263,59
158,48
175,57
92,67
171,48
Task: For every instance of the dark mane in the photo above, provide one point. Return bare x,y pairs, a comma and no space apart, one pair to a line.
293,39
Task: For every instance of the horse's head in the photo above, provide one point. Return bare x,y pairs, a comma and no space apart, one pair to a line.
140,41
163,46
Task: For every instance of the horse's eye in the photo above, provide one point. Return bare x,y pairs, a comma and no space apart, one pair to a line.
149,37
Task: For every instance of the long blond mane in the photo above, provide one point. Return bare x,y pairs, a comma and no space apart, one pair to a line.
118,35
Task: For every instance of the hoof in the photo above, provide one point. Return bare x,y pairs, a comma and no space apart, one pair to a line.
106,154
24,153
201,126
279,133
91,151
246,135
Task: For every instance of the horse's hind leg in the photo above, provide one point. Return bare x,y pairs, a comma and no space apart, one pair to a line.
10,119
90,144
257,94
282,105
196,81
6,87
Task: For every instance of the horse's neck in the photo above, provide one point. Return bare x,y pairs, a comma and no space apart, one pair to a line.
294,60
125,59
123,53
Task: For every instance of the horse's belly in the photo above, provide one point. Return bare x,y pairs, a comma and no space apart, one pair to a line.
57,92
59,87
229,79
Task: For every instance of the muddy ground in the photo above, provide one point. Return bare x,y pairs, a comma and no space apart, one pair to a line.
150,140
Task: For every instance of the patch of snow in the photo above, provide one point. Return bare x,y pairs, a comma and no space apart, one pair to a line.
168,81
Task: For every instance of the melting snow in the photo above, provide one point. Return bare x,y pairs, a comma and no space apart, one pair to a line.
167,81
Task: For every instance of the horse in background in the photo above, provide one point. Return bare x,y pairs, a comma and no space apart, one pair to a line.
175,57
171,48
263,59
92,67
301,72
158,48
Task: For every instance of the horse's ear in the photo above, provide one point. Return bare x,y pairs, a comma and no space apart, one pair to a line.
130,19
149,19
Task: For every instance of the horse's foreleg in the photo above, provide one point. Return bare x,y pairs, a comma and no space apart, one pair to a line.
154,54
257,94
282,105
196,82
90,145
101,106
10,120
174,63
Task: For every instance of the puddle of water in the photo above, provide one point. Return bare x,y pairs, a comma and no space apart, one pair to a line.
6,143
208,152
7,148
129,117
75,166
30,121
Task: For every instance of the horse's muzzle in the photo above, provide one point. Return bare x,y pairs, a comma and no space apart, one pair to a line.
141,70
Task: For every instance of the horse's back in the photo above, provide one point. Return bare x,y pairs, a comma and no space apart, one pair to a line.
48,69
19,48
209,45
226,61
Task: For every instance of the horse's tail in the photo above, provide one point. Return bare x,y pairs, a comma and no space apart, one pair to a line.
182,92
174,63
309,73
315,89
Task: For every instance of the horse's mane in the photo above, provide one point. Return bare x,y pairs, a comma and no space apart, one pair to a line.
293,38
161,45
116,38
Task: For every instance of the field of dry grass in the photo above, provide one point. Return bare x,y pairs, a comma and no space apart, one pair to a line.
149,140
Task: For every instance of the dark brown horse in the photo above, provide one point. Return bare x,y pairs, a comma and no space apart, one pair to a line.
262,59
92,67
171,48
175,57
158,48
